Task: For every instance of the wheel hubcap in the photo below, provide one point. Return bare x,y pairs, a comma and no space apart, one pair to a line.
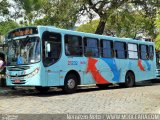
71,83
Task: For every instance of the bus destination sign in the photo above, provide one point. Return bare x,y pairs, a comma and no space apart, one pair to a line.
22,32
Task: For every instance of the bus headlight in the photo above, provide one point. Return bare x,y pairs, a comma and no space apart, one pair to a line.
33,73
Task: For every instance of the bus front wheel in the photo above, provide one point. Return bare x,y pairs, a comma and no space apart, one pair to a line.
129,79
70,84
42,89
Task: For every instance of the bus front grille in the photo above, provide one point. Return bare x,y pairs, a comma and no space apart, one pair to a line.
19,81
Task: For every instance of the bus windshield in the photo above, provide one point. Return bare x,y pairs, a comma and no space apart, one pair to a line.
23,51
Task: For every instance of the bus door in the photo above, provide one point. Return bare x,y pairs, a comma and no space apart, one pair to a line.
52,76
51,55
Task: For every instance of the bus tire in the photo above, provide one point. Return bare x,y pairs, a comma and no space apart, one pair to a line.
42,89
70,84
129,79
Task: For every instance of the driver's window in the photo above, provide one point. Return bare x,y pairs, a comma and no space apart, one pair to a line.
51,47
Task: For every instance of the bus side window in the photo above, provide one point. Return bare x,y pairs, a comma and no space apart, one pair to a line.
91,48
132,51
73,45
106,48
151,52
144,52
120,50
54,40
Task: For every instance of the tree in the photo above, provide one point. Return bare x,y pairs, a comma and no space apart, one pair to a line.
157,22
4,7
6,26
31,10
65,13
89,27
60,13
122,25
105,8
128,24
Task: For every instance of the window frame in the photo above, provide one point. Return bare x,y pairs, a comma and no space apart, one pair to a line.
133,51
150,52
125,50
101,48
84,47
79,46
43,48
140,55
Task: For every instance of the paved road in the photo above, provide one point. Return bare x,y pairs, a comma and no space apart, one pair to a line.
140,99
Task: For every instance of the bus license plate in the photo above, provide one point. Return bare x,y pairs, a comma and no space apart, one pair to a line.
17,81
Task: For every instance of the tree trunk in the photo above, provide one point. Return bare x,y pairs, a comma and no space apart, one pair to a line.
101,27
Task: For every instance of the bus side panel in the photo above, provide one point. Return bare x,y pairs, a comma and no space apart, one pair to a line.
68,64
109,70
79,64
101,71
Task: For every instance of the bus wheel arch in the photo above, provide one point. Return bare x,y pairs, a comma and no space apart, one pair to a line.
75,73
72,79
130,78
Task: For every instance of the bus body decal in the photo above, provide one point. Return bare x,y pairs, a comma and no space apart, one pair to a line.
112,64
148,65
96,75
140,65
142,68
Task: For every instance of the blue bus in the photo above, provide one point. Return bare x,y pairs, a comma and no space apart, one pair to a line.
46,56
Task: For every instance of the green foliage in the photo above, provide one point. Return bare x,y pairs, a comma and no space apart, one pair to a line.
32,9
157,42
107,9
128,24
4,7
157,22
124,18
122,25
89,27
64,14
60,13
7,26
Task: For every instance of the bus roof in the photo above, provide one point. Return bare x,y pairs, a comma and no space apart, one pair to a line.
72,32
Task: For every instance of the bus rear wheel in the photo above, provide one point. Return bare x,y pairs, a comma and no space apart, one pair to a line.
129,79
70,84
42,89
